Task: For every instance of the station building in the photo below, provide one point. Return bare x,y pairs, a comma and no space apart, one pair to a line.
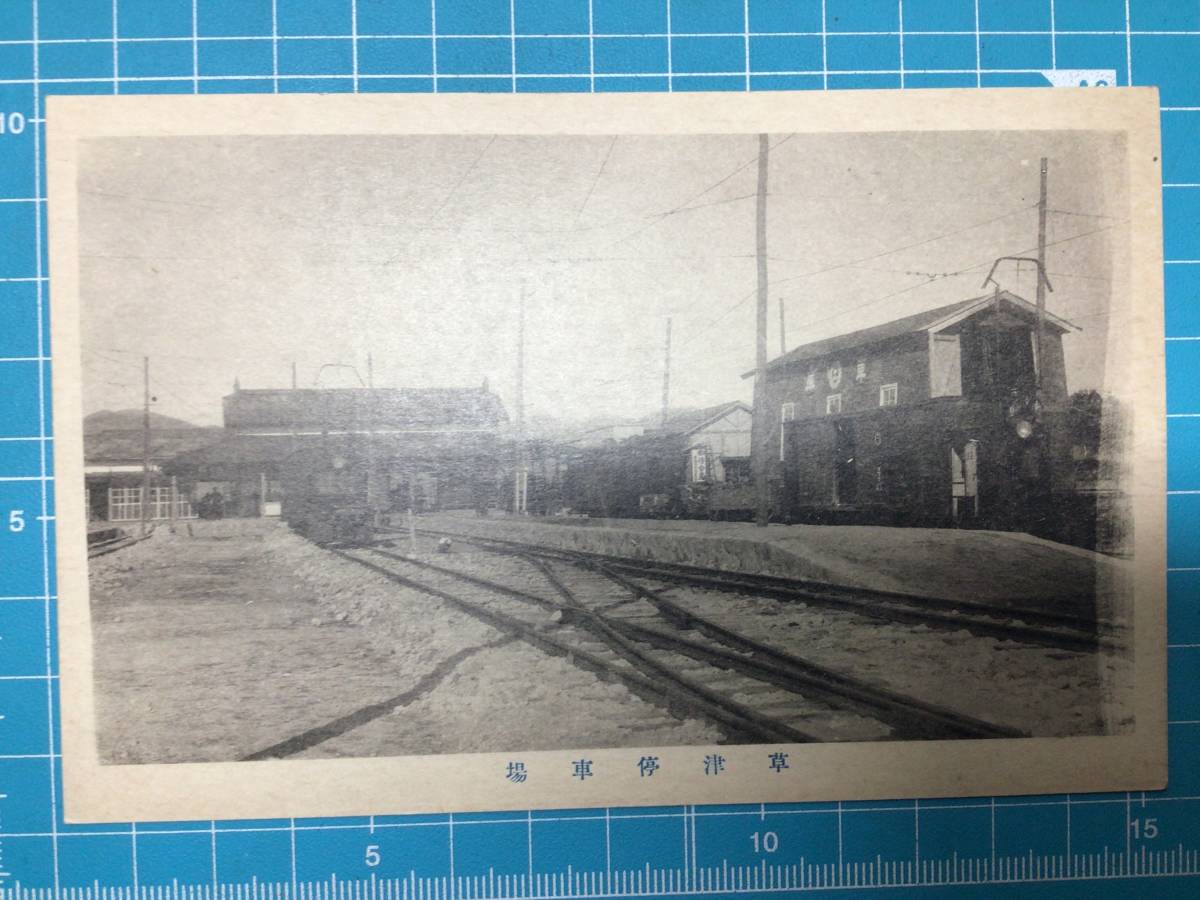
114,460
930,419
413,441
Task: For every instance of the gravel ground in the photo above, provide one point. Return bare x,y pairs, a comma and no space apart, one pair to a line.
219,643
1045,691
988,566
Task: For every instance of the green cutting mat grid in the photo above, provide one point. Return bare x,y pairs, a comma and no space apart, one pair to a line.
1117,842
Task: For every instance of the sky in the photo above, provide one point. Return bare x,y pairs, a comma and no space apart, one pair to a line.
226,258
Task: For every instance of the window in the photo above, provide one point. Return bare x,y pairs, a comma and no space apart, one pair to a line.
945,366
833,404
125,504
787,413
860,371
810,381
737,469
887,395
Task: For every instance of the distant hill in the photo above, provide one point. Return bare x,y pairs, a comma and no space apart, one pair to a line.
128,419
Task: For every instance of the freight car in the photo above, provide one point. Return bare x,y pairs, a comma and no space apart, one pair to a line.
695,463
946,462
655,477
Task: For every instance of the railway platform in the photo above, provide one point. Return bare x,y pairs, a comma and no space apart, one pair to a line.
990,567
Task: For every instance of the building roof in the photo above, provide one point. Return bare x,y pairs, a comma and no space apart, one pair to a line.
932,321
363,409
268,451
236,449
125,444
688,421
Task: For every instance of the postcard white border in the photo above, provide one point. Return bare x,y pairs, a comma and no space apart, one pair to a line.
837,771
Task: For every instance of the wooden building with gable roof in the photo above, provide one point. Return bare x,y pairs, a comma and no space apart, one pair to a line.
934,418
440,436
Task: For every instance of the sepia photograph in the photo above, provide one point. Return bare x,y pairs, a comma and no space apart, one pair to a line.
596,452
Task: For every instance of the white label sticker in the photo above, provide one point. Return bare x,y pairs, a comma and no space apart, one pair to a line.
1081,77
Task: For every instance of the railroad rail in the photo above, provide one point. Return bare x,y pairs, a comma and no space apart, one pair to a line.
100,548
655,656
678,694
1009,622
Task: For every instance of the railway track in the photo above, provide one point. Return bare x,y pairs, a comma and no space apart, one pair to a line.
693,666
100,548
1010,622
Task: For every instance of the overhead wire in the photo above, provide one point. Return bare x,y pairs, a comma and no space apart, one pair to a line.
686,205
875,300
596,180
962,271
847,264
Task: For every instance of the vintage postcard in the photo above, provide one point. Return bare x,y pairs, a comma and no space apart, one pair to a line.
463,453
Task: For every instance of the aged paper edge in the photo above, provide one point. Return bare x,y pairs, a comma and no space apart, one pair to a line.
836,771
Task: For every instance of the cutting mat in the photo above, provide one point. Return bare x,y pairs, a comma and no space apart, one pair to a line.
1120,842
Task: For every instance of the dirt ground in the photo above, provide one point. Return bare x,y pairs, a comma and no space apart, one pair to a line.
237,637
1044,691
217,644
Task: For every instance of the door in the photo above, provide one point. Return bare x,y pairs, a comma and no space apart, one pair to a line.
964,480
845,478
971,477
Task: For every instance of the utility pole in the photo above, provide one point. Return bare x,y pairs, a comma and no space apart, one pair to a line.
372,486
1041,284
666,395
412,507
145,445
519,474
293,376
782,330
760,425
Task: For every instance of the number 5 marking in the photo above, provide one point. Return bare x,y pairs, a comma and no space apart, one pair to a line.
372,857
16,520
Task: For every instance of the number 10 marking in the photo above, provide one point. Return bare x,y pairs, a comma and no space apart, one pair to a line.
765,842
12,123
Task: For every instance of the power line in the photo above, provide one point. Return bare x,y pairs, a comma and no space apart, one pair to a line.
832,268
596,180
462,178
930,280
450,193
920,243
1078,275
909,289
686,205
1068,212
